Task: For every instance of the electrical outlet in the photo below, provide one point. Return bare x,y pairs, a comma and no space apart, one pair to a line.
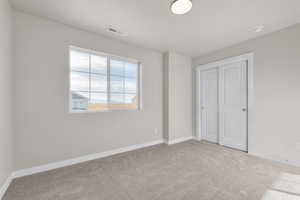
155,131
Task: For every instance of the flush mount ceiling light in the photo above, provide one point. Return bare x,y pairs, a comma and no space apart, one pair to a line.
180,7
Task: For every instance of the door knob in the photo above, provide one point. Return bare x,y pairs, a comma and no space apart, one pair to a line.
244,109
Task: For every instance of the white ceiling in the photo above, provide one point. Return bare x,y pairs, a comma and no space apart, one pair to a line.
211,25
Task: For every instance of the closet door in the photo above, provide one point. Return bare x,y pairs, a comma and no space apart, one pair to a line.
209,105
233,105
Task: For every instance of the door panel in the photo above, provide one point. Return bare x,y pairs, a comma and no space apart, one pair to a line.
209,105
233,105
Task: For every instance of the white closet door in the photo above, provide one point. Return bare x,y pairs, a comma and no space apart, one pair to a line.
233,105
209,105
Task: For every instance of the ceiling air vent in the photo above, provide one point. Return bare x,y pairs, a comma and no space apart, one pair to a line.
115,31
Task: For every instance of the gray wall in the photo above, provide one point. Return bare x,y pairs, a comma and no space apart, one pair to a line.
46,132
277,92
178,96
6,132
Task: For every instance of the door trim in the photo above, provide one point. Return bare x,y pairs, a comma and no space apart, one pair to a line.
249,57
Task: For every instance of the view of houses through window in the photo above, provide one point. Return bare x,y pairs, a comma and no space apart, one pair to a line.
101,82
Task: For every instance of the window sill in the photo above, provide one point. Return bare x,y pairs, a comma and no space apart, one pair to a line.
103,111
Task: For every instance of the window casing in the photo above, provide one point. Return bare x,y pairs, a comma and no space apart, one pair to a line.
103,82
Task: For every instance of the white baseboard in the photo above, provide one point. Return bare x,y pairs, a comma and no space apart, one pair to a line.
64,163
197,138
5,186
277,159
178,140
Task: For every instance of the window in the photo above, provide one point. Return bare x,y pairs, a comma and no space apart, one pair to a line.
100,82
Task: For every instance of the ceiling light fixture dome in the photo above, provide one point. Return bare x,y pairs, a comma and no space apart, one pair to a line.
180,7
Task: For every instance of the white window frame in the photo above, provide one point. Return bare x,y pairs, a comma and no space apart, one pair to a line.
109,57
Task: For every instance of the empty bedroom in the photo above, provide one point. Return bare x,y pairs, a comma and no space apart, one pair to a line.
149,100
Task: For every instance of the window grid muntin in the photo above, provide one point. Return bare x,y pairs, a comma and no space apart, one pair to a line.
123,76
124,61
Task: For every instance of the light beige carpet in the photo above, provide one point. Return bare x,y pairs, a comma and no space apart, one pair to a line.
190,171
